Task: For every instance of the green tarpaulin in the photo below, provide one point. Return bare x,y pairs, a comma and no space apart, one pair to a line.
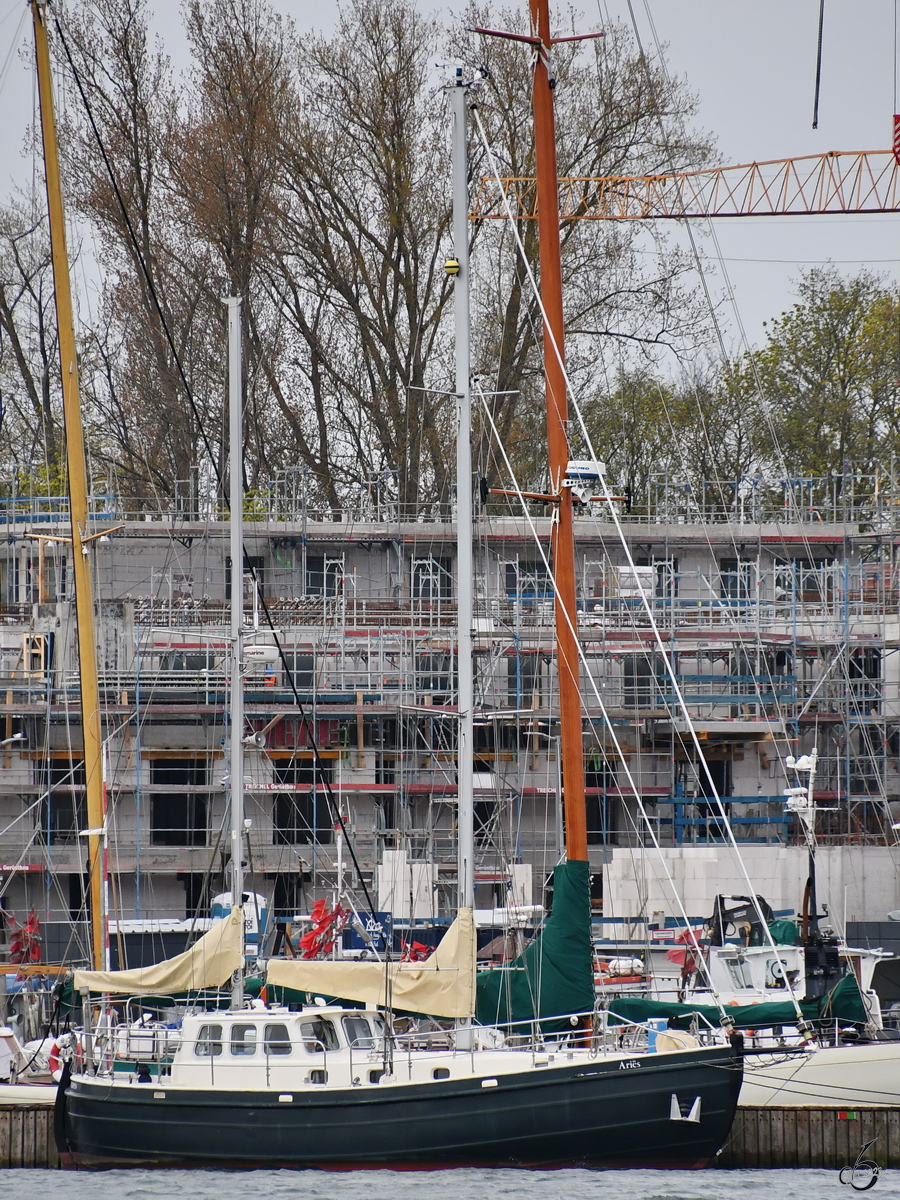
784,933
844,1003
555,975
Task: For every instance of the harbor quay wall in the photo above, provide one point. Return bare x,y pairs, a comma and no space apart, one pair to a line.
760,1137
26,1136
763,1138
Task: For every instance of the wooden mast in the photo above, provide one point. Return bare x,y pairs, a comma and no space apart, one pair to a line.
78,500
563,537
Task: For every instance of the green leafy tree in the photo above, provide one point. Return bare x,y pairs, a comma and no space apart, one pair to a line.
825,383
631,431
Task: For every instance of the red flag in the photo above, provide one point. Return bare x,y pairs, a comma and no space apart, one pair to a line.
25,944
326,925
685,956
416,952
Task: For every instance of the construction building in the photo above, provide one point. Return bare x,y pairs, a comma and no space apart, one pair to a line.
778,611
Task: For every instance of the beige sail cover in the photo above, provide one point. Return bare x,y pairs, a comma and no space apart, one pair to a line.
209,963
442,986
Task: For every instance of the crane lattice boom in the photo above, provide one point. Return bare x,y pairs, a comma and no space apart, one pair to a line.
858,181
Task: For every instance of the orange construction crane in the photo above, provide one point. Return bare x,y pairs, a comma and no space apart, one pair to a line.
859,181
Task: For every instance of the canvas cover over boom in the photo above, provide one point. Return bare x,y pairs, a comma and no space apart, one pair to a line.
209,963
442,986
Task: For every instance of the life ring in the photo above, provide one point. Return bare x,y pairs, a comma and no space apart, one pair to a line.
54,1063
56,1060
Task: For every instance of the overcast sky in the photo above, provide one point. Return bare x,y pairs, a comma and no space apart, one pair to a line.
752,67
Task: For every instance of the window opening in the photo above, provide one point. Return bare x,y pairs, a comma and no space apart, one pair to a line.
209,1041
277,1040
63,809
243,1040
179,818
301,817
358,1033
318,1035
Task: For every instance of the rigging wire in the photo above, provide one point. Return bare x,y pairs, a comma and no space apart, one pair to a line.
608,723
815,120
607,494
336,813
13,45
795,502
145,270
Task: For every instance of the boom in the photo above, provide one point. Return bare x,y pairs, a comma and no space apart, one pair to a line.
859,181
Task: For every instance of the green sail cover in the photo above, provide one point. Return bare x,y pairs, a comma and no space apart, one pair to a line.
844,1003
555,974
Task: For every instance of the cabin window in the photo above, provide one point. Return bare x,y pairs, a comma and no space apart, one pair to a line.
778,975
243,1039
317,1077
740,972
440,1073
209,1041
277,1039
358,1033
375,1075
318,1036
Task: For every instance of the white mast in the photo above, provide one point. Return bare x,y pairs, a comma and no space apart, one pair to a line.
464,565
236,536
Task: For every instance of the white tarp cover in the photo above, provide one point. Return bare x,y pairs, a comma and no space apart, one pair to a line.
442,986
209,963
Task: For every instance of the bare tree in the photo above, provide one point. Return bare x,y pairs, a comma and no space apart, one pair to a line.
225,170
30,393
155,272
363,235
314,182
616,114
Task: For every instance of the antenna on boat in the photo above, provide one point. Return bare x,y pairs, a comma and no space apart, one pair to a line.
236,545
563,526
458,268
79,515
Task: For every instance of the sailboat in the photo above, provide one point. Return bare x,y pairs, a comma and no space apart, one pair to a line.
539,1082
828,1049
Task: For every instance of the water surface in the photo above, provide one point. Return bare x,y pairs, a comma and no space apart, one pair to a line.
437,1185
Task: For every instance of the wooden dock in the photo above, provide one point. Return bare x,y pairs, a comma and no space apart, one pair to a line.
760,1137
811,1137
26,1136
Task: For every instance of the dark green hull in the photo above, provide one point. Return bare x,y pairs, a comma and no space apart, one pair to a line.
595,1113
